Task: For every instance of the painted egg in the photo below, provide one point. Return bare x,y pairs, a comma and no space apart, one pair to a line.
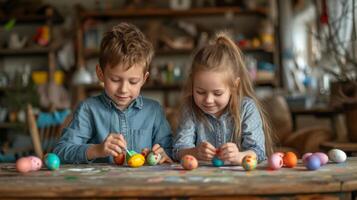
136,160
275,161
305,156
313,162
23,165
132,152
217,162
189,162
337,155
36,163
249,162
119,160
52,161
145,152
290,159
323,157
153,159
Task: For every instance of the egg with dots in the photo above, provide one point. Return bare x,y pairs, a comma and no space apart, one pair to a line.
36,163
23,165
119,160
249,162
136,160
189,162
322,156
153,159
305,156
52,161
290,159
275,161
337,155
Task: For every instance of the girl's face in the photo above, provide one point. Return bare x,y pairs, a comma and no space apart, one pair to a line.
211,92
122,86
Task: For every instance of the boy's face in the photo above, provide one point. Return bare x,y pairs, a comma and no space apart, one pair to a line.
122,86
211,92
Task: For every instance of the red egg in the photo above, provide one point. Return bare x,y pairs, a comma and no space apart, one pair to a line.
275,161
189,162
119,160
23,165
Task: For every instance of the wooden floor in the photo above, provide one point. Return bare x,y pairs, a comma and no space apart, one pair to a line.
100,181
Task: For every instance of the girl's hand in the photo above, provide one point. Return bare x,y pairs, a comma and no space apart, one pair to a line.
230,152
205,151
112,145
157,149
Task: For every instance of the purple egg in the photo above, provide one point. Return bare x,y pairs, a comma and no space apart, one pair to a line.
275,161
306,155
313,162
323,157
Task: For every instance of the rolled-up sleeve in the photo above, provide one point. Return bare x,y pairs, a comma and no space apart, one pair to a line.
162,131
73,146
185,136
252,131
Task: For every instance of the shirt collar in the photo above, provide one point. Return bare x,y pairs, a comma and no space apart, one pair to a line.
137,103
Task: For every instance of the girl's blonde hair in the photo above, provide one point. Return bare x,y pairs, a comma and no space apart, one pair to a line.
223,55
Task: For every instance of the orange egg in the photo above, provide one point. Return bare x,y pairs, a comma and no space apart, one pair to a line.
189,162
290,159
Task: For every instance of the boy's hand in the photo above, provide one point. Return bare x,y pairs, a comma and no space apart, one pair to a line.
112,145
230,152
205,151
157,149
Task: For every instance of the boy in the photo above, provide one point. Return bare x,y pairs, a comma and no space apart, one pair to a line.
120,118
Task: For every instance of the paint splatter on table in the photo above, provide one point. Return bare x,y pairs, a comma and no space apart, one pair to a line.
110,181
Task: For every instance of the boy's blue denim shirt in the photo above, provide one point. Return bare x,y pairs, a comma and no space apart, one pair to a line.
190,132
142,124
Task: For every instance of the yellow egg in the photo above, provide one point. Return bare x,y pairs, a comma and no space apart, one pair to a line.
136,160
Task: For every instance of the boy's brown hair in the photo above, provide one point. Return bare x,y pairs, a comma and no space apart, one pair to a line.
126,45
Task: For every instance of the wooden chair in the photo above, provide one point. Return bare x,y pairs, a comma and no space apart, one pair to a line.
307,139
44,138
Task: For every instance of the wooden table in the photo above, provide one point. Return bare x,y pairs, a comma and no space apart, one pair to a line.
104,181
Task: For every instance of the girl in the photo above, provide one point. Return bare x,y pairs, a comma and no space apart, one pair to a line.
221,115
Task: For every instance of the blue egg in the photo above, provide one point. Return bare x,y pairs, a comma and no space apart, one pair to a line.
52,161
217,162
313,162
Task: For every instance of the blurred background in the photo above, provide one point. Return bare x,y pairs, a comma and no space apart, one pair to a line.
301,55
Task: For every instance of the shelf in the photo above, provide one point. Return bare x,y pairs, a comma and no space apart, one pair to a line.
270,83
26,51
166,12
12,125
93,53
146,87
31,19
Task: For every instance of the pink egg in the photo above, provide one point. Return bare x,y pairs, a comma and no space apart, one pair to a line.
23,165
281,154
275,161
189,162
36,163
323,157
305,156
